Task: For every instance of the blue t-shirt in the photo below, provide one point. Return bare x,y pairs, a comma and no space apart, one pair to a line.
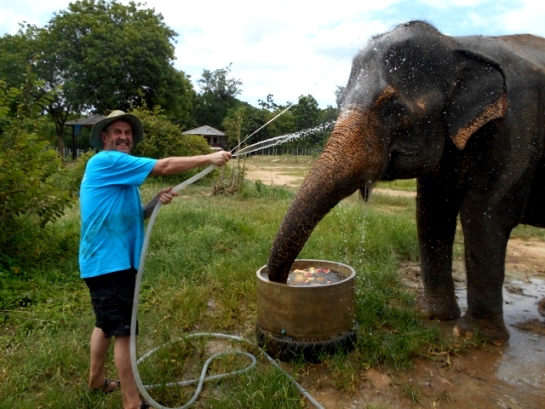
112,218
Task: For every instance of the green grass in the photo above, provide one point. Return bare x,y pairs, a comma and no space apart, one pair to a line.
528,232
401,184
199,276
293,166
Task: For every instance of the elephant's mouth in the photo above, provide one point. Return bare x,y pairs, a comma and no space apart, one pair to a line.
408,165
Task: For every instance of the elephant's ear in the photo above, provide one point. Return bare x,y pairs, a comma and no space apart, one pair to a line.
478,97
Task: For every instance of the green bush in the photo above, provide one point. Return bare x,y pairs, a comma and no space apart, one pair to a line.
31,192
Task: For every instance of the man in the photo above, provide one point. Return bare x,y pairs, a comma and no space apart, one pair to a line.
112,234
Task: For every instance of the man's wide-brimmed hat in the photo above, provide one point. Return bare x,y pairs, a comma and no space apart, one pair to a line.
137,128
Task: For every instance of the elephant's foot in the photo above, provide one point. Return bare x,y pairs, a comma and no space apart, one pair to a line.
439,308
541,307
493,330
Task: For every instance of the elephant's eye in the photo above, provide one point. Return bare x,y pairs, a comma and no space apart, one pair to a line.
394,114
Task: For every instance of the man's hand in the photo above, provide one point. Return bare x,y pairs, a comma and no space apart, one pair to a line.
220,158
165,196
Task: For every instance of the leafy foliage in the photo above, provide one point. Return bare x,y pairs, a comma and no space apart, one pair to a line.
109,55
100,55
306,112
31,192
217,96
307,115
17,52
274,120
241,121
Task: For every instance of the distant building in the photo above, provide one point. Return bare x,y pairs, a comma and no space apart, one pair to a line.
77,125
216,139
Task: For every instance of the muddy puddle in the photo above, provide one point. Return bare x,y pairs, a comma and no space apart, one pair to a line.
522,360
511,376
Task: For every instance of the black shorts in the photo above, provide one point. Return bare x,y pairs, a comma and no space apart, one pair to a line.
112,297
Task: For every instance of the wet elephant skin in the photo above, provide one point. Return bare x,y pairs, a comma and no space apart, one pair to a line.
466,117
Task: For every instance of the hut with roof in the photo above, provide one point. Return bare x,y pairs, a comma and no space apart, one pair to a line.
77,125
215,138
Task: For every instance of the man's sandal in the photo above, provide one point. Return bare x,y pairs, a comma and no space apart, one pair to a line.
104,388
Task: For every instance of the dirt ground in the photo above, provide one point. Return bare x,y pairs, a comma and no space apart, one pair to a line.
511,376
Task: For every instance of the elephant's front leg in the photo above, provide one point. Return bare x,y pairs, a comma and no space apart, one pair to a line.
485,247
437,210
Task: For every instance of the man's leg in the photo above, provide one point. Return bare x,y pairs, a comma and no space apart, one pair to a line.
99,350
122,358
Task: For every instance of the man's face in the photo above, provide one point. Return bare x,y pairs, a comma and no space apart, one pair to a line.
118,137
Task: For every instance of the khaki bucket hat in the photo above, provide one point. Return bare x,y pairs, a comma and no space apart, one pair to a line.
137,128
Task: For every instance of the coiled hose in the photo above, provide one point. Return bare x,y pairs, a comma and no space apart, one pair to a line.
203,378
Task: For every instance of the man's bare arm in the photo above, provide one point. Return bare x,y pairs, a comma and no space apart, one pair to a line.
180,164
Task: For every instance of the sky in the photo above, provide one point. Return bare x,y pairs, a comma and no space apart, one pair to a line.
291,48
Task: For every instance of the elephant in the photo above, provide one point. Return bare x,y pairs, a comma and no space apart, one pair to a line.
465,117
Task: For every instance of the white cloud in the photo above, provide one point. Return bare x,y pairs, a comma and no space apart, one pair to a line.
13,12
527,19
287,48
449,4
290,48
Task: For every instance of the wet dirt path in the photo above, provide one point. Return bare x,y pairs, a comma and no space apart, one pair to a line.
510,376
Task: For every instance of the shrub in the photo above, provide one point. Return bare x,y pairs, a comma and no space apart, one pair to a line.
31,192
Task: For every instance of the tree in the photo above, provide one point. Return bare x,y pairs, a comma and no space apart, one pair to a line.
17,53
307,115
256,125
113,56
101,55
217,83
329,114
239,122
268,103
306,112
304,118
217,96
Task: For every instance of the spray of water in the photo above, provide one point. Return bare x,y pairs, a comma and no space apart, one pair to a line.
283,139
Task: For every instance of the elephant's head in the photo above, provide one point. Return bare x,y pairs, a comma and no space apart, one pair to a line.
410,92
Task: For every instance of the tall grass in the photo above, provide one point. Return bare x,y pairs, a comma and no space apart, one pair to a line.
199,276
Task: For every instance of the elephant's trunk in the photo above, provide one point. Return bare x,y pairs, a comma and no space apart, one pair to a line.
350,161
